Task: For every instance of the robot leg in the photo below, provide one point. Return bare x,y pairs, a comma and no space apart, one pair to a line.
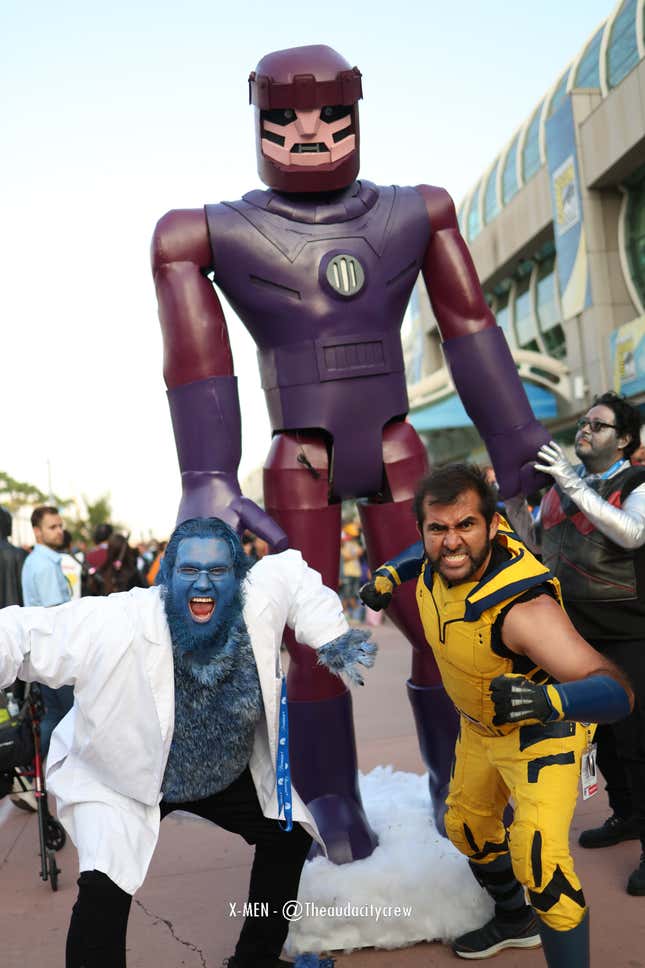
321,729
388,529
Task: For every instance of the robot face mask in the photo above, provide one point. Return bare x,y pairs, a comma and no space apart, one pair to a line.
307,138
307,119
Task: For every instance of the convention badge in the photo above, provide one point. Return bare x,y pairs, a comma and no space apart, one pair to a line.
588,777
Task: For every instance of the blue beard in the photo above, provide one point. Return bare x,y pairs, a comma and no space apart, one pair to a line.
207,651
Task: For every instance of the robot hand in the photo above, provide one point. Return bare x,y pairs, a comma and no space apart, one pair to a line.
377,593
552,460
519,700
218,495
254,519
513,457
206,424
486,378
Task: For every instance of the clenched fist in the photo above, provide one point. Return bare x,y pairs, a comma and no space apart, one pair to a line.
517,700
377,593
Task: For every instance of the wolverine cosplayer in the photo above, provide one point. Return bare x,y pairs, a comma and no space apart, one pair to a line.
492,615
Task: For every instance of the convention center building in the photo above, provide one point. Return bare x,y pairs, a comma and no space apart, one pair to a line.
556,227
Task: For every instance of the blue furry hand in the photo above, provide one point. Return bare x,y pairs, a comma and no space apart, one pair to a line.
347,652
313,961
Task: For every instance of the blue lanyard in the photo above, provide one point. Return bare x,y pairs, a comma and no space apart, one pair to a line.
282,763
612,470
605,474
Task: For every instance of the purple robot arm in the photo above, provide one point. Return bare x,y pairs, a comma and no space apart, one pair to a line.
477,354
198,369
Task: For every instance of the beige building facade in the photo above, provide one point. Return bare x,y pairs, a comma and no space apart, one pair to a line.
556,227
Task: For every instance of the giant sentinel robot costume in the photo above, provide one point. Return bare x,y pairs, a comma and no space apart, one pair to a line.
320,268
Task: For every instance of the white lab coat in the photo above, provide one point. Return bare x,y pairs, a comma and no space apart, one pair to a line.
108,755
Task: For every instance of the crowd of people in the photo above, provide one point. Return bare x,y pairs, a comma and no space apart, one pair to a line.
534,612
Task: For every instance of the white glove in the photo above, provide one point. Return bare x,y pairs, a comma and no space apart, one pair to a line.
625,526
554,462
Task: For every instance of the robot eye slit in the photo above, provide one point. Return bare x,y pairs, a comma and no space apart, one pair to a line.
341,135
281,116
278,139
334,112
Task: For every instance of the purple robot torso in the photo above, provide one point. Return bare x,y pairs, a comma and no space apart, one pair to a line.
322,287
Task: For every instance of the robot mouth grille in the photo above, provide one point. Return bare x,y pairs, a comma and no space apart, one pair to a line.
309,149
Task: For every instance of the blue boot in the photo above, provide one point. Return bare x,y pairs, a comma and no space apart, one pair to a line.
566,949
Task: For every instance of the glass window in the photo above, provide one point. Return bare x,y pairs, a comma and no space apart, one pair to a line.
509,175
531,153
548,309
525,323
474,223
491,205
622,50
635,233
588,73
560,93
503,316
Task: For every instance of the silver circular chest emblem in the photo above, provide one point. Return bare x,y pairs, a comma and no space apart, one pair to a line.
345,275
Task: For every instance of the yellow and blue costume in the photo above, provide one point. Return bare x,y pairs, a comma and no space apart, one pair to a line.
536,766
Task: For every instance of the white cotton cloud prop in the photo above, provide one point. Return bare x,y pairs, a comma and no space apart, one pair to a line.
414,887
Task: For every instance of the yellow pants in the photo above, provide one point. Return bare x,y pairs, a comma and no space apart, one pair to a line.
539,768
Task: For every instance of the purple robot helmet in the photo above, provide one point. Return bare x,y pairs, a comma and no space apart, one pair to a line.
306,106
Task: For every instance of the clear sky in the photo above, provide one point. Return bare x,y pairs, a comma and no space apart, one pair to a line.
114,113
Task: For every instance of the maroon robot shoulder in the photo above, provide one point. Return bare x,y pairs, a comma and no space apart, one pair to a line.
181,235
439,206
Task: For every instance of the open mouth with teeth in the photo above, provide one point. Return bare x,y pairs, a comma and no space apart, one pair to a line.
455,557
201,609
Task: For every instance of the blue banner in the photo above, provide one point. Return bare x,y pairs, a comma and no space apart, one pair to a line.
566,202
628,357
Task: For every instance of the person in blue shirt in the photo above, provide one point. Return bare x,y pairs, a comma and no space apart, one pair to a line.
43,583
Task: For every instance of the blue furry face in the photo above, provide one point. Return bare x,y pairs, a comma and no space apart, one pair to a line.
203,582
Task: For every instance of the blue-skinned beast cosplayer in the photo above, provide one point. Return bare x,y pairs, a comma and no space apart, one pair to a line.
180,703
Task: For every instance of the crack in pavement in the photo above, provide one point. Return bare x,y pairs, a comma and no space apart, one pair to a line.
157,918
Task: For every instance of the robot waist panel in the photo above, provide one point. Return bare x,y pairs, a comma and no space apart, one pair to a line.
353,412
331,358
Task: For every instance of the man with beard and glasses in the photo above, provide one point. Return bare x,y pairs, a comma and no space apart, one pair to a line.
591,533
180,703
492,614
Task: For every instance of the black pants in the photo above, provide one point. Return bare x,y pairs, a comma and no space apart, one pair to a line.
99,921
621,746
58,703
